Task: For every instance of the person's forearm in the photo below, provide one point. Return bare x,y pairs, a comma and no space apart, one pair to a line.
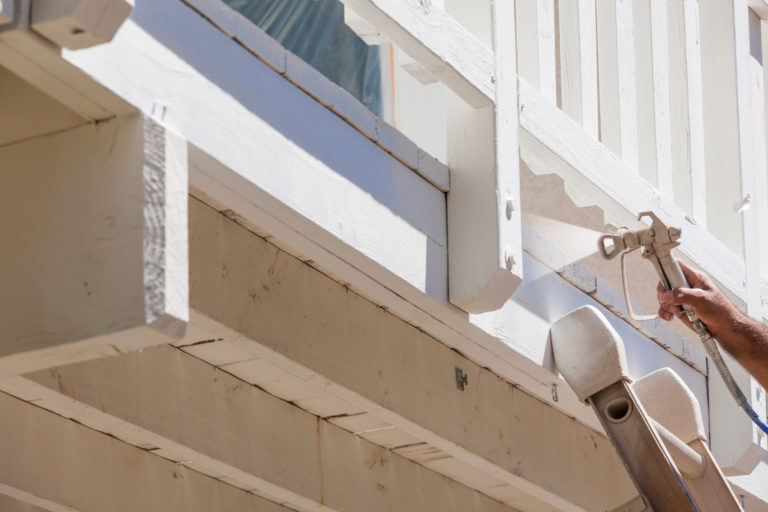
747,341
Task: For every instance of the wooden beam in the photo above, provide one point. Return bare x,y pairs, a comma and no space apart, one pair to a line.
51,461
436,40
40,62
184,409
77,24
369,358
97,217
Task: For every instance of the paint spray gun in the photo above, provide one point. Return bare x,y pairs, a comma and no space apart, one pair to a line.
656,243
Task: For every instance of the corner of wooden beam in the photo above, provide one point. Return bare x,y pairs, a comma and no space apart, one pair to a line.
76,24
97,217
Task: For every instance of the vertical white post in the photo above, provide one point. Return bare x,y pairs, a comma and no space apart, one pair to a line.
616,56
722,119
761,133
747,161
485,251
695,111
685,108
578,62
652,75
545,22
536,45
660,57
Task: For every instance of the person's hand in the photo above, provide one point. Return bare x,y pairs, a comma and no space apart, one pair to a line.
707,301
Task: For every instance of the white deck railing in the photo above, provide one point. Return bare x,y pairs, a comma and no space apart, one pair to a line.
675,90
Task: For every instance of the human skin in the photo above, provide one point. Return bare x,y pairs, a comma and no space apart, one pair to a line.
742,337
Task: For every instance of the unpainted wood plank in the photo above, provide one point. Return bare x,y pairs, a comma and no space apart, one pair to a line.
214,420
53,458
372,359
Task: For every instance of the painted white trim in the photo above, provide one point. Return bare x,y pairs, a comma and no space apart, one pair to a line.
436,40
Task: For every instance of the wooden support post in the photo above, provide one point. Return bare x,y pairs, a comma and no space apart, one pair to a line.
578,62
616,59
96,217
485,247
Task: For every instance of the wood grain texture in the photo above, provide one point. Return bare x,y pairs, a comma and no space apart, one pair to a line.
80,264
51,457
215,423
398,371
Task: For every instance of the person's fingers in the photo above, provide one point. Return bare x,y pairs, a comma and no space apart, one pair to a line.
692,276
694,297
660,292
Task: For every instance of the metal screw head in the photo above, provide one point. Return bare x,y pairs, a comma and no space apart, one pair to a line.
510,206
509,259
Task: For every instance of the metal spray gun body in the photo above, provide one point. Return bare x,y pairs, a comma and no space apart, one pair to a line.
657,242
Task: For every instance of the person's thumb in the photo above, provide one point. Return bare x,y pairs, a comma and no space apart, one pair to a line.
693,297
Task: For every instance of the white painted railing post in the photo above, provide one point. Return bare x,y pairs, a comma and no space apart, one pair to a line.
616,72
484,240
578,62
536,45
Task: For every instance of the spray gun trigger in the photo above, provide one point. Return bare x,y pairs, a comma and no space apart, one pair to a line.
610,246
625,286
